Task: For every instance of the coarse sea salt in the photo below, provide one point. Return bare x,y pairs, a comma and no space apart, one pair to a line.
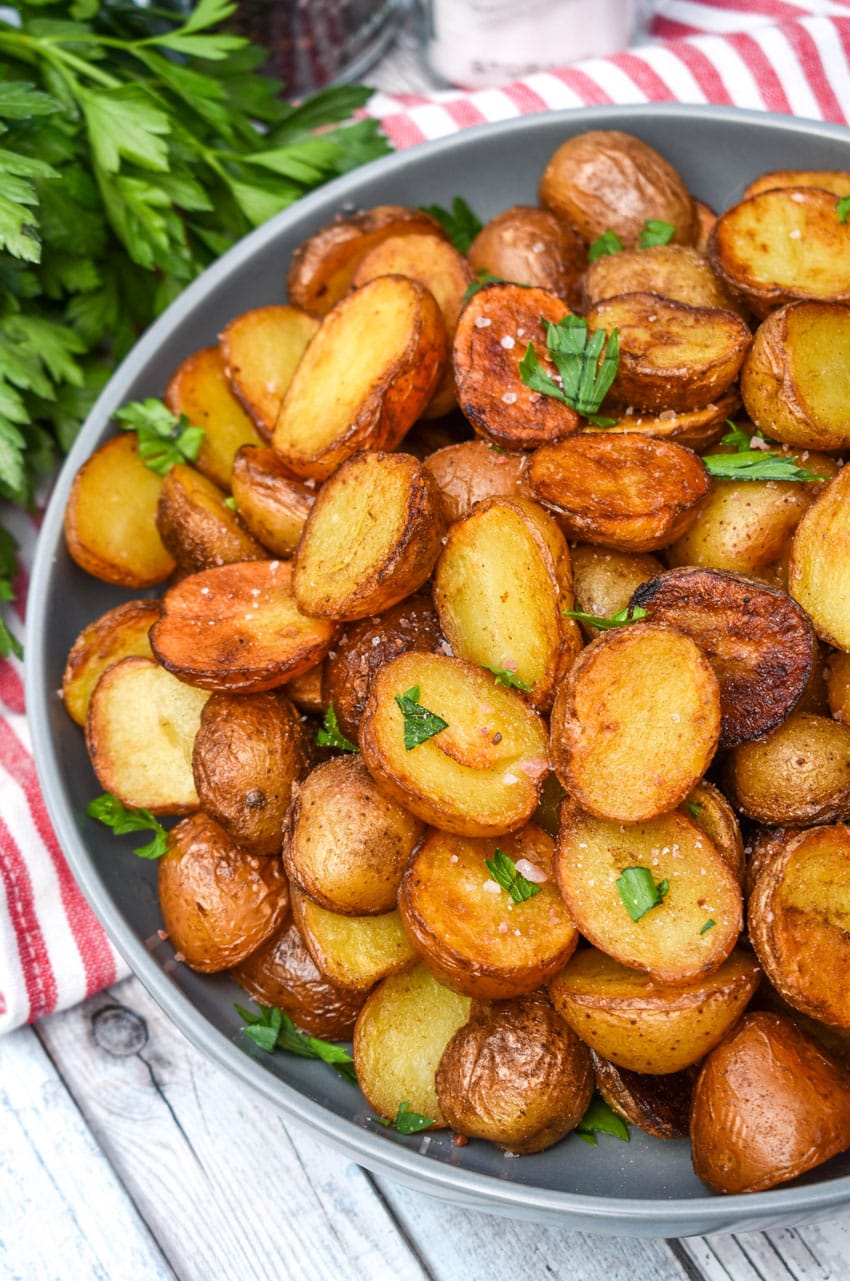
483,322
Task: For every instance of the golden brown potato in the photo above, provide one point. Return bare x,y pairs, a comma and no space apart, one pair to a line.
346,844
481,774
271,502
496,327
352,951
261,350
219,903
798,919
636,722
781,245
119,633
197,527
677,272
797,776
238,629
835,180
711,811
768,1105
399,1039
819,565
141,727
322,267
646,1026
305,691
471,471
672,356
516,1075
249,753
282,973
604,580
706,218
365,646
660,1105
788,389
759,642
837,683
469,930
696,428
531,246
606,180
110,530
372,537
365,378
600,488
199,389
765,844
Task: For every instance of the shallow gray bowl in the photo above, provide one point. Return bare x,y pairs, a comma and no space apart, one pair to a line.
645,1188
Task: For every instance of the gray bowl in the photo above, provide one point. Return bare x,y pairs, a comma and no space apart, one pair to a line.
645,1188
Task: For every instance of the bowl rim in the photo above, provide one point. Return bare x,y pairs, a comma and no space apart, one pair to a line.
400,1161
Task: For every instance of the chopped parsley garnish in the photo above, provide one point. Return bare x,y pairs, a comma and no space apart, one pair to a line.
709,925
272,1029
419,723
630,614
656,232
330,735
107,809
502,869
639,891
497,449
164,438
460,223
406,1122
843,209
757,464
694,809
601,1119
9,643
504,676
230,503
585,378
608,243
483,278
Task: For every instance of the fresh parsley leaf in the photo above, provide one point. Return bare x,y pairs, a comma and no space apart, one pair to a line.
460,223
9,643
230,503
601,1119
656,232
504,676
757,464
709,925
843,209
419,723
272,1029
608,243
586,364
262,1028
406,1122
502,869
482,278
330,735
107,809
737,438
630,614
497,449
694,809
639,892
164,438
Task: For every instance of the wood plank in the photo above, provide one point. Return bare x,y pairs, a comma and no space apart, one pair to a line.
228,1189
817,1253
62,1209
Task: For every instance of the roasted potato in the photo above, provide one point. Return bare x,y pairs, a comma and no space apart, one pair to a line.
796,776
677,272
604,580
697,428
711,811
660,1105
819,566
199,388
471,471
119,633
531,246
837,673
197,527
271,502
352,951
261,350
835,180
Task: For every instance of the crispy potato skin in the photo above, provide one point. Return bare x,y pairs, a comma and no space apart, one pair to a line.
516,1075
219,903
283,973
604,580
835,180
195,525
659,1105
768,1105
470,471
531,246
271,502
698,429
119,633
678,272
199,389
606,179
711,811
797,776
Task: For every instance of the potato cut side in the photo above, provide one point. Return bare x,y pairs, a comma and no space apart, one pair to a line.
645,1026
532,246
469,930
697,428
626,492
688,926
399,1039
711,811
261,350
346,845
835,180
119,633
371,539
365,378
322,268
659,1105
238,629
110,525
605,580
498,592
672,356
219,903
282,973
798,775
837,676
677,272
141,727
270,501
759,642
819,566
781,245
196,525
494,331
799,922
482,774
199,389
636,722
353,951
471,471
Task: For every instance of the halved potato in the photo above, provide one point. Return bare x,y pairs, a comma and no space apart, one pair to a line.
472,470
119,633
819,566
270,501
365,378
636,722
197,527
261,350
352,951
531,246
711,811
687,916
371,539
837,674
797,776
835,180
645,1026
140,731
468,929
199,388
659,1105
678,272
696,428
604,580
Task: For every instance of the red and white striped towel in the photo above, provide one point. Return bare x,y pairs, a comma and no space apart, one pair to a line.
790,56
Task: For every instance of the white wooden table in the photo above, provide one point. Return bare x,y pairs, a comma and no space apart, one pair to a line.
127,1156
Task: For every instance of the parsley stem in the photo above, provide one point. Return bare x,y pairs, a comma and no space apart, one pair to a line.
53,52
